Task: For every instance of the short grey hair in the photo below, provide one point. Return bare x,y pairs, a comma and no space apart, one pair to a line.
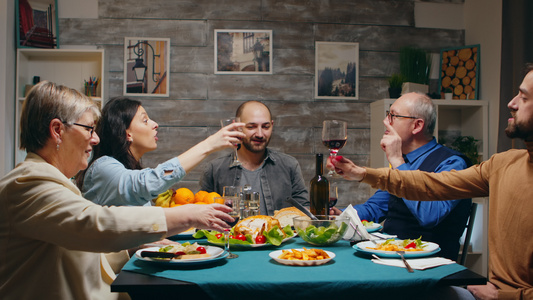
424,108
45,102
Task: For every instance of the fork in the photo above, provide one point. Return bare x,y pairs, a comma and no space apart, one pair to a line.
401,253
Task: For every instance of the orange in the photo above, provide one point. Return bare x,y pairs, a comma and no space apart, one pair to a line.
210,198
183,196
199,197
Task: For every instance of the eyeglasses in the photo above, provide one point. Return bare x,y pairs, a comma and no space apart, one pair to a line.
82,125
391,116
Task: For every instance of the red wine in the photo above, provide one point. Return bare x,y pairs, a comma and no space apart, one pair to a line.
319,190
334,144
234,222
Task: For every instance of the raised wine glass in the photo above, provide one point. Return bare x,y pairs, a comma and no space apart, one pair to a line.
226,122
235,214
334,136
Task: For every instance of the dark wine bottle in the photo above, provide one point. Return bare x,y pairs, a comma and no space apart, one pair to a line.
319,191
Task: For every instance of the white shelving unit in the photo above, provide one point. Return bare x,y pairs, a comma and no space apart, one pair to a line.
454,117
69,67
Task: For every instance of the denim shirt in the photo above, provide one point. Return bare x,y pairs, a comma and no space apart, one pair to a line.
281,177
108,182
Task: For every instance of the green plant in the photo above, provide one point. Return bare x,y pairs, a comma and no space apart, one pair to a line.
448,90
468,146
415,64
396,80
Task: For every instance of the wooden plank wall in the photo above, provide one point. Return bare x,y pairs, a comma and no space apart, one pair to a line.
199,98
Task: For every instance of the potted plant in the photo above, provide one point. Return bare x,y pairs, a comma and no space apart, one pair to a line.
448,93
395,85
415,65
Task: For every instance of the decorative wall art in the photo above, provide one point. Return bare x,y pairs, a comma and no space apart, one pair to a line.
243,51
459,72
146,66
336,70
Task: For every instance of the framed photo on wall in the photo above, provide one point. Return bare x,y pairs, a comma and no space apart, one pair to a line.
146,66
243,51
336,70
459,72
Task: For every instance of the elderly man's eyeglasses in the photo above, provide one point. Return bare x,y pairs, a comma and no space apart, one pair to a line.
391,116
82,125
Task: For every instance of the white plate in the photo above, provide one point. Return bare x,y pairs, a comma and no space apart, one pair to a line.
430,249
275,256
373,228
250,245
215,252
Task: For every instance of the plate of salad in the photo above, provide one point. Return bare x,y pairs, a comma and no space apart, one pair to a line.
388,248
273,237
370,226
207,254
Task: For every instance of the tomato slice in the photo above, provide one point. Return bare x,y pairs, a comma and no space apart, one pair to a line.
241,237
218,235
411,245
201,250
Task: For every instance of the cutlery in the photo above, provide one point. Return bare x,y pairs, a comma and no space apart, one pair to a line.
156,254
401,253
302,208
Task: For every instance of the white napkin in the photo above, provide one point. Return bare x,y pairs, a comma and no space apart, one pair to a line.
417,264
350,234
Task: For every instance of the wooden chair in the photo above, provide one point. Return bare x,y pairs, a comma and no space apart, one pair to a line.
468,235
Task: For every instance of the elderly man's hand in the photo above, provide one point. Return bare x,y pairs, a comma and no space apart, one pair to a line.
391,143
346,168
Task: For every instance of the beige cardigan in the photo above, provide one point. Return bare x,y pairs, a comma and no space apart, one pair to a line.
52,239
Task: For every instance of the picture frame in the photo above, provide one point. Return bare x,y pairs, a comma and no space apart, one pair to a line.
459,70
243,51
336,70
146,66
37,22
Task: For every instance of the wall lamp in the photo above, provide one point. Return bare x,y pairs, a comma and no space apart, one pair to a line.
140,68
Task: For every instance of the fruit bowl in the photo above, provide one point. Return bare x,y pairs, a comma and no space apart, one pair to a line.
325,231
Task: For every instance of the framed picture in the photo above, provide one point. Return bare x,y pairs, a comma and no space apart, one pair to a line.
459,72
243,51
37,23
336,70
146,66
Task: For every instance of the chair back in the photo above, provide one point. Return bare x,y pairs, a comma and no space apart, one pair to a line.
468,235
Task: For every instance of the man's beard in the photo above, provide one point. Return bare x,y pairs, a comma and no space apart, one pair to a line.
520,131
255,149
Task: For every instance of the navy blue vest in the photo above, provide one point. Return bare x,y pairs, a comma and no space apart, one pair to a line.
402,222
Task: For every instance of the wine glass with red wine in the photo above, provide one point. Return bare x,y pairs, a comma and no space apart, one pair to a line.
333,194
235,214
334,136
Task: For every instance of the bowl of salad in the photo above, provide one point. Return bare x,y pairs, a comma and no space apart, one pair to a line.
325,231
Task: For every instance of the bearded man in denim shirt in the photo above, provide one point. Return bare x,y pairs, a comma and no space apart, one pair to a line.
274,175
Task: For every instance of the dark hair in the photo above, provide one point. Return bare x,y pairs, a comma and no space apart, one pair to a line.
117,115
528,68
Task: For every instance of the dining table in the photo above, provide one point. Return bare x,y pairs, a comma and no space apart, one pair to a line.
255,275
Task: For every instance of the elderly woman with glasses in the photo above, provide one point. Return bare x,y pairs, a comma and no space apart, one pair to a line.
52,240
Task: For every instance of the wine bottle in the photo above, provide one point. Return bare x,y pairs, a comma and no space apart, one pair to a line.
319,191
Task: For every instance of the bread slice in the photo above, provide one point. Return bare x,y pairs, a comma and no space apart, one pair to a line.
286,215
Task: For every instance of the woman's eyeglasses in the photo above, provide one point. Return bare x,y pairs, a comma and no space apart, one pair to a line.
82,125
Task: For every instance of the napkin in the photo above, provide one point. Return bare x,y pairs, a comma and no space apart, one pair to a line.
417,264
351,234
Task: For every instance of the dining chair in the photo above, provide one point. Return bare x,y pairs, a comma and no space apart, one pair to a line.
468,234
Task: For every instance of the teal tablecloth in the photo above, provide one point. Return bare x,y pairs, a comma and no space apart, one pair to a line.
255,275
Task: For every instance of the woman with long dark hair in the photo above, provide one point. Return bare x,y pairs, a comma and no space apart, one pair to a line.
115,175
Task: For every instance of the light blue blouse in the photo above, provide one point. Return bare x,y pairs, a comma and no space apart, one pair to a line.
108,182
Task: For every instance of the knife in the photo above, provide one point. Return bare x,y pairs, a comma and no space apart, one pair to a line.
157,254
301,208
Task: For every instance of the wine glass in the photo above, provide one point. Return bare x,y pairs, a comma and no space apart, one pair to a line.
235,193
235,214
224,123
334,136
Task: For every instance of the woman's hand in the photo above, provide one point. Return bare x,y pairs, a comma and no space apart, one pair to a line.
228,136
210,216
346,168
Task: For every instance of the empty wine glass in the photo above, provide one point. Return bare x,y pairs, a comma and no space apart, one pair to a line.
224,123
334,136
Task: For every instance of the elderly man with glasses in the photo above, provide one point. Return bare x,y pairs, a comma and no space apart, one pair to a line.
409,144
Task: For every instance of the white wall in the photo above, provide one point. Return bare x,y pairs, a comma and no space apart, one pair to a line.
7,85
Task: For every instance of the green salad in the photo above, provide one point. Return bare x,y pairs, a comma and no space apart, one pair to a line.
322,235
273,236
